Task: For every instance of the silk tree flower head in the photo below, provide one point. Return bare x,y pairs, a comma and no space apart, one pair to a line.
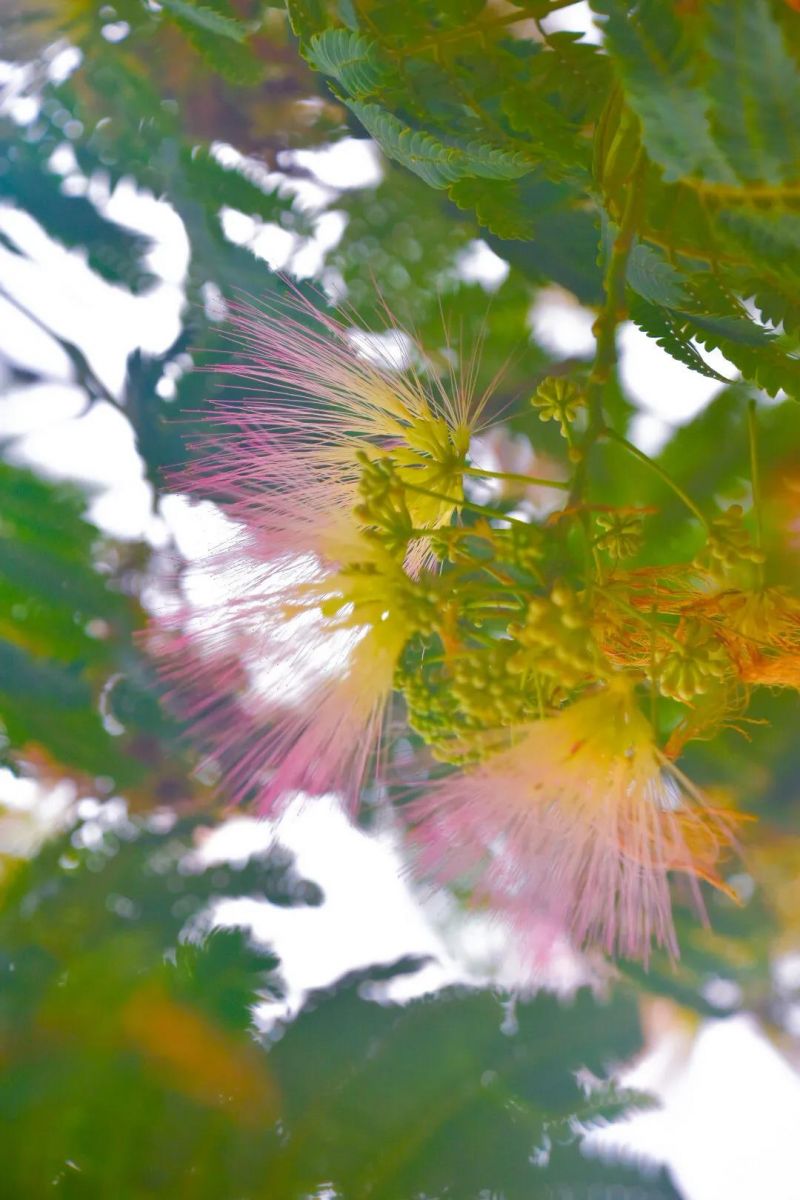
579,823
284,678
358,569
308,398
336,469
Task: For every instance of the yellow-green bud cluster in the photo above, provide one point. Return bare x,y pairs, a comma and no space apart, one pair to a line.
559,399
490,638
621,533
383,504
421,606
520,545
468,698
432,711
489,692
729,545
556,639
695,669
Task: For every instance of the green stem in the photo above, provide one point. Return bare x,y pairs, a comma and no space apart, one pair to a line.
494,605
539,697
659,470
456,531
513,477
605,326
755,479
480,509
505,581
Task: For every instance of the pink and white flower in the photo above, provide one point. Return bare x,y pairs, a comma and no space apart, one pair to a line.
281,450
578,824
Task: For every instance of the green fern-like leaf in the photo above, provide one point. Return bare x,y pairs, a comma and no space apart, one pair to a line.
775,306
760,362
499,207
563,151
653,278
659,325
306,17
219,38
767,239
576,72
656,66
727,329
350,58
438,163
752,349
755,92
206,19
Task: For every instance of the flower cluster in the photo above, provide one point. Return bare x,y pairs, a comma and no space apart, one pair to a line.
375,601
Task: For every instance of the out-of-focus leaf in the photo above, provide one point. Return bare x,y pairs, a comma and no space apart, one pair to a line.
216,33
116,253
755,97
207,19
114,1026
590,1177
218,185
652,49
446,1096
66,649
129,1055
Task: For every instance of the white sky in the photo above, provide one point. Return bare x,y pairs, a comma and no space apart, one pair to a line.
731,1102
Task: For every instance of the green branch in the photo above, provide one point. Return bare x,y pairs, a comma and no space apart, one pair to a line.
658,470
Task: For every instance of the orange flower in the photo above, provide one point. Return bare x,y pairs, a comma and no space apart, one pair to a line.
761,632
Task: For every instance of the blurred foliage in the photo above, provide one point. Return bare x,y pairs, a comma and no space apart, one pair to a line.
75,690
132,1066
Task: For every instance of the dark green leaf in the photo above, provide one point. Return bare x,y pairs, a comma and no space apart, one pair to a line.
755,91
654,278
659,325
659,73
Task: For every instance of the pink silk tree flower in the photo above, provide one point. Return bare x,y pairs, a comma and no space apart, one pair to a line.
314,612
282,453
284,682
578,824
